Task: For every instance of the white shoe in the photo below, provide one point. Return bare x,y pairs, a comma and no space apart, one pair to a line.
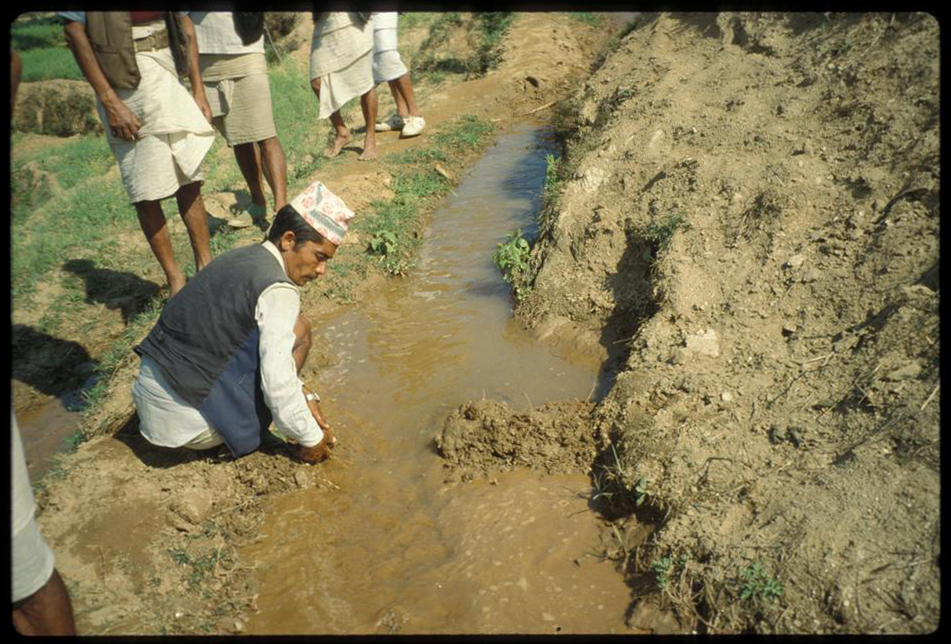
393,122
413,125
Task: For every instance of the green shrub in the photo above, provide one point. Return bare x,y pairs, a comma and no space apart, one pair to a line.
511,256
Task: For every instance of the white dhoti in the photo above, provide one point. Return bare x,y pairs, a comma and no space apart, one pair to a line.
341,56
174,137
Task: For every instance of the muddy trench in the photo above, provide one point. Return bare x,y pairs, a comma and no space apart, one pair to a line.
392,547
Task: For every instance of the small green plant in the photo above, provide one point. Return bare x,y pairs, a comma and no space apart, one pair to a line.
511,257
587,17
384,243
554,173
640,491
663,568
659,233
758,583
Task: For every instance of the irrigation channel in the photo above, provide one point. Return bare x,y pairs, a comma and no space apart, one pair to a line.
392,548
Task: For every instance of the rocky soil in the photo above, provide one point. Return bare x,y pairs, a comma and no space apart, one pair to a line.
749,205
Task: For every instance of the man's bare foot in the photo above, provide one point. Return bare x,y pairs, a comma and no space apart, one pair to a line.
339,141
369,150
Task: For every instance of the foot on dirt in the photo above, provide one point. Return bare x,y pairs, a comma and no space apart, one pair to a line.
369,152
337,146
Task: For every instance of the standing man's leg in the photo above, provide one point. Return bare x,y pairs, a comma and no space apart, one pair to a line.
402,90
48,611
152,221
249,162
275,170
341,132
192,210
368,103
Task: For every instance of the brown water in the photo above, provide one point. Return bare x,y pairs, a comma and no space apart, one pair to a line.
390,547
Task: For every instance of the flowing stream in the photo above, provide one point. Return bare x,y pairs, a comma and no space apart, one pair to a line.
386,546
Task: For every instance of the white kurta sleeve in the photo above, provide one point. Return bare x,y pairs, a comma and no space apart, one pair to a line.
276,313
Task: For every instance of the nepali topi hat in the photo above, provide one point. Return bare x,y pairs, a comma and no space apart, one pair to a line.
324,211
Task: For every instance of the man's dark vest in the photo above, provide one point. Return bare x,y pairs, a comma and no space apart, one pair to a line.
206,344
110,35
249,25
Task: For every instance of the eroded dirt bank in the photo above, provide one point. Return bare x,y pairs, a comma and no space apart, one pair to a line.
750,204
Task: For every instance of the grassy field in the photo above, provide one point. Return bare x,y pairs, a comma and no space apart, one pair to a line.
77,246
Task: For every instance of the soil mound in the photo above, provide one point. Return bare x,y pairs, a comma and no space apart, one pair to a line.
750,203
481,435
57,107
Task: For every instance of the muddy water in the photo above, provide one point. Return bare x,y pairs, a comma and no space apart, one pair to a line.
385,546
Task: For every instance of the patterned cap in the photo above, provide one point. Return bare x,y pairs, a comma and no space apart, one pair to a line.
324,211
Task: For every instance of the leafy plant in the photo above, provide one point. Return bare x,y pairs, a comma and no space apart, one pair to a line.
511,257
640,491
664,567
758,583
384,243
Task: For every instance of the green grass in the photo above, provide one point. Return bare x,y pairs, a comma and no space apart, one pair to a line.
488,53
302,134
587,17
49,64
33,32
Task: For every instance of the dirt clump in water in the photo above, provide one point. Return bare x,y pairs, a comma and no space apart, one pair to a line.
481,435
750,202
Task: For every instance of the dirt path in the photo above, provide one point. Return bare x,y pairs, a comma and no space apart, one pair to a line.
145,538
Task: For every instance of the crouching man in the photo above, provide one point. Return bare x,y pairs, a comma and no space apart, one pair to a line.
223,359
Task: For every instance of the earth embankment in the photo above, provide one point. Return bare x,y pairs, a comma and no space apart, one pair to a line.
749,204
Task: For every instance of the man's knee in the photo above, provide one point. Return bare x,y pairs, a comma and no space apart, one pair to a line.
315,85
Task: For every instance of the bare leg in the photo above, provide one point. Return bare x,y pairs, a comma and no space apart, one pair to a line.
301,342
401,107
275,169
342,136
248,158
192,210
368,103
152,221
402,89
48,611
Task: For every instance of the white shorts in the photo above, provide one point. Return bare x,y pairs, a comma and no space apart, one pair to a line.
387,64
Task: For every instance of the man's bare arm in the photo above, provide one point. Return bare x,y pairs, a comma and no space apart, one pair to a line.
194,70
122,121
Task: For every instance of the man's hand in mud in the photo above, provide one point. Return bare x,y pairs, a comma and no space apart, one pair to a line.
316,454
318,415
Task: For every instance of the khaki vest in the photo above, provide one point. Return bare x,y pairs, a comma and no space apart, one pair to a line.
110,34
